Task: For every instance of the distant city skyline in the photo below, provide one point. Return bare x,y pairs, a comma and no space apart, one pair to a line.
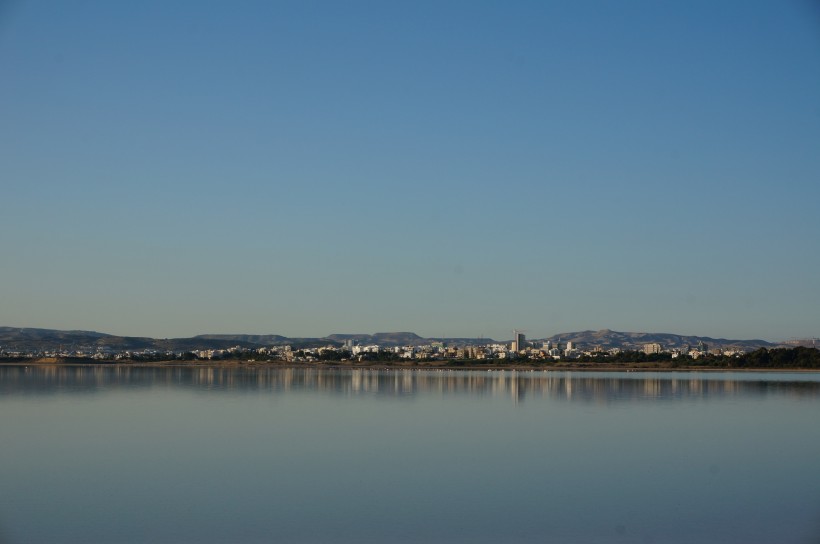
447,169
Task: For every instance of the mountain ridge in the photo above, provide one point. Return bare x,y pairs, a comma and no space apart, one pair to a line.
607,338
32,339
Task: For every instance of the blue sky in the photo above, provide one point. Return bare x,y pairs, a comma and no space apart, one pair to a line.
449,168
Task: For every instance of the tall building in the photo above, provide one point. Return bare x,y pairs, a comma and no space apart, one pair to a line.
519,341
649,349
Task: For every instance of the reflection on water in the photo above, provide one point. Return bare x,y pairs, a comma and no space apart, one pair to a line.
601,387
202,454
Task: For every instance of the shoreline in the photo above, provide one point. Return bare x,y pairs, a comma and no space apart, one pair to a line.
580,367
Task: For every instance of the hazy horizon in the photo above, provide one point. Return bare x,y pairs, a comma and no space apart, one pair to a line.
443,168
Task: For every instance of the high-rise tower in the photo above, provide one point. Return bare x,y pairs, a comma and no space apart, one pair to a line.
519,341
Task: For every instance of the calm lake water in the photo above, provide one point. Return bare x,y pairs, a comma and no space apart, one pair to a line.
114,454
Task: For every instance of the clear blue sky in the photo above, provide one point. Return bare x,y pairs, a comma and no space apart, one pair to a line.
449,168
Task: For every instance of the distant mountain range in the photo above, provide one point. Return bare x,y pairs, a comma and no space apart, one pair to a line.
27,339
634,340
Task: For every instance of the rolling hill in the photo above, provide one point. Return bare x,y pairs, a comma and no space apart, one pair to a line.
31,339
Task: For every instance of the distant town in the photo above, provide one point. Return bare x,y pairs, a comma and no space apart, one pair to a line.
519,349
39,345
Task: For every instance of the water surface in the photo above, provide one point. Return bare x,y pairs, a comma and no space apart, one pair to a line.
131,454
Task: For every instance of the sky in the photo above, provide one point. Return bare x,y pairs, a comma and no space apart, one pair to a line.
450,168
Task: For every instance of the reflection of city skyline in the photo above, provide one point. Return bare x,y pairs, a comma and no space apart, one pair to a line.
516,385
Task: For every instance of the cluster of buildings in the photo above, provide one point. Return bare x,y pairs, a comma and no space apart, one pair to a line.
519,349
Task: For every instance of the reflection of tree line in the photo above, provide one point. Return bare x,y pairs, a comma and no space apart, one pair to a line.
395,383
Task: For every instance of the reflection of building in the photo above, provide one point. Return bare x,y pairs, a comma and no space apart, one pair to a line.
398,383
